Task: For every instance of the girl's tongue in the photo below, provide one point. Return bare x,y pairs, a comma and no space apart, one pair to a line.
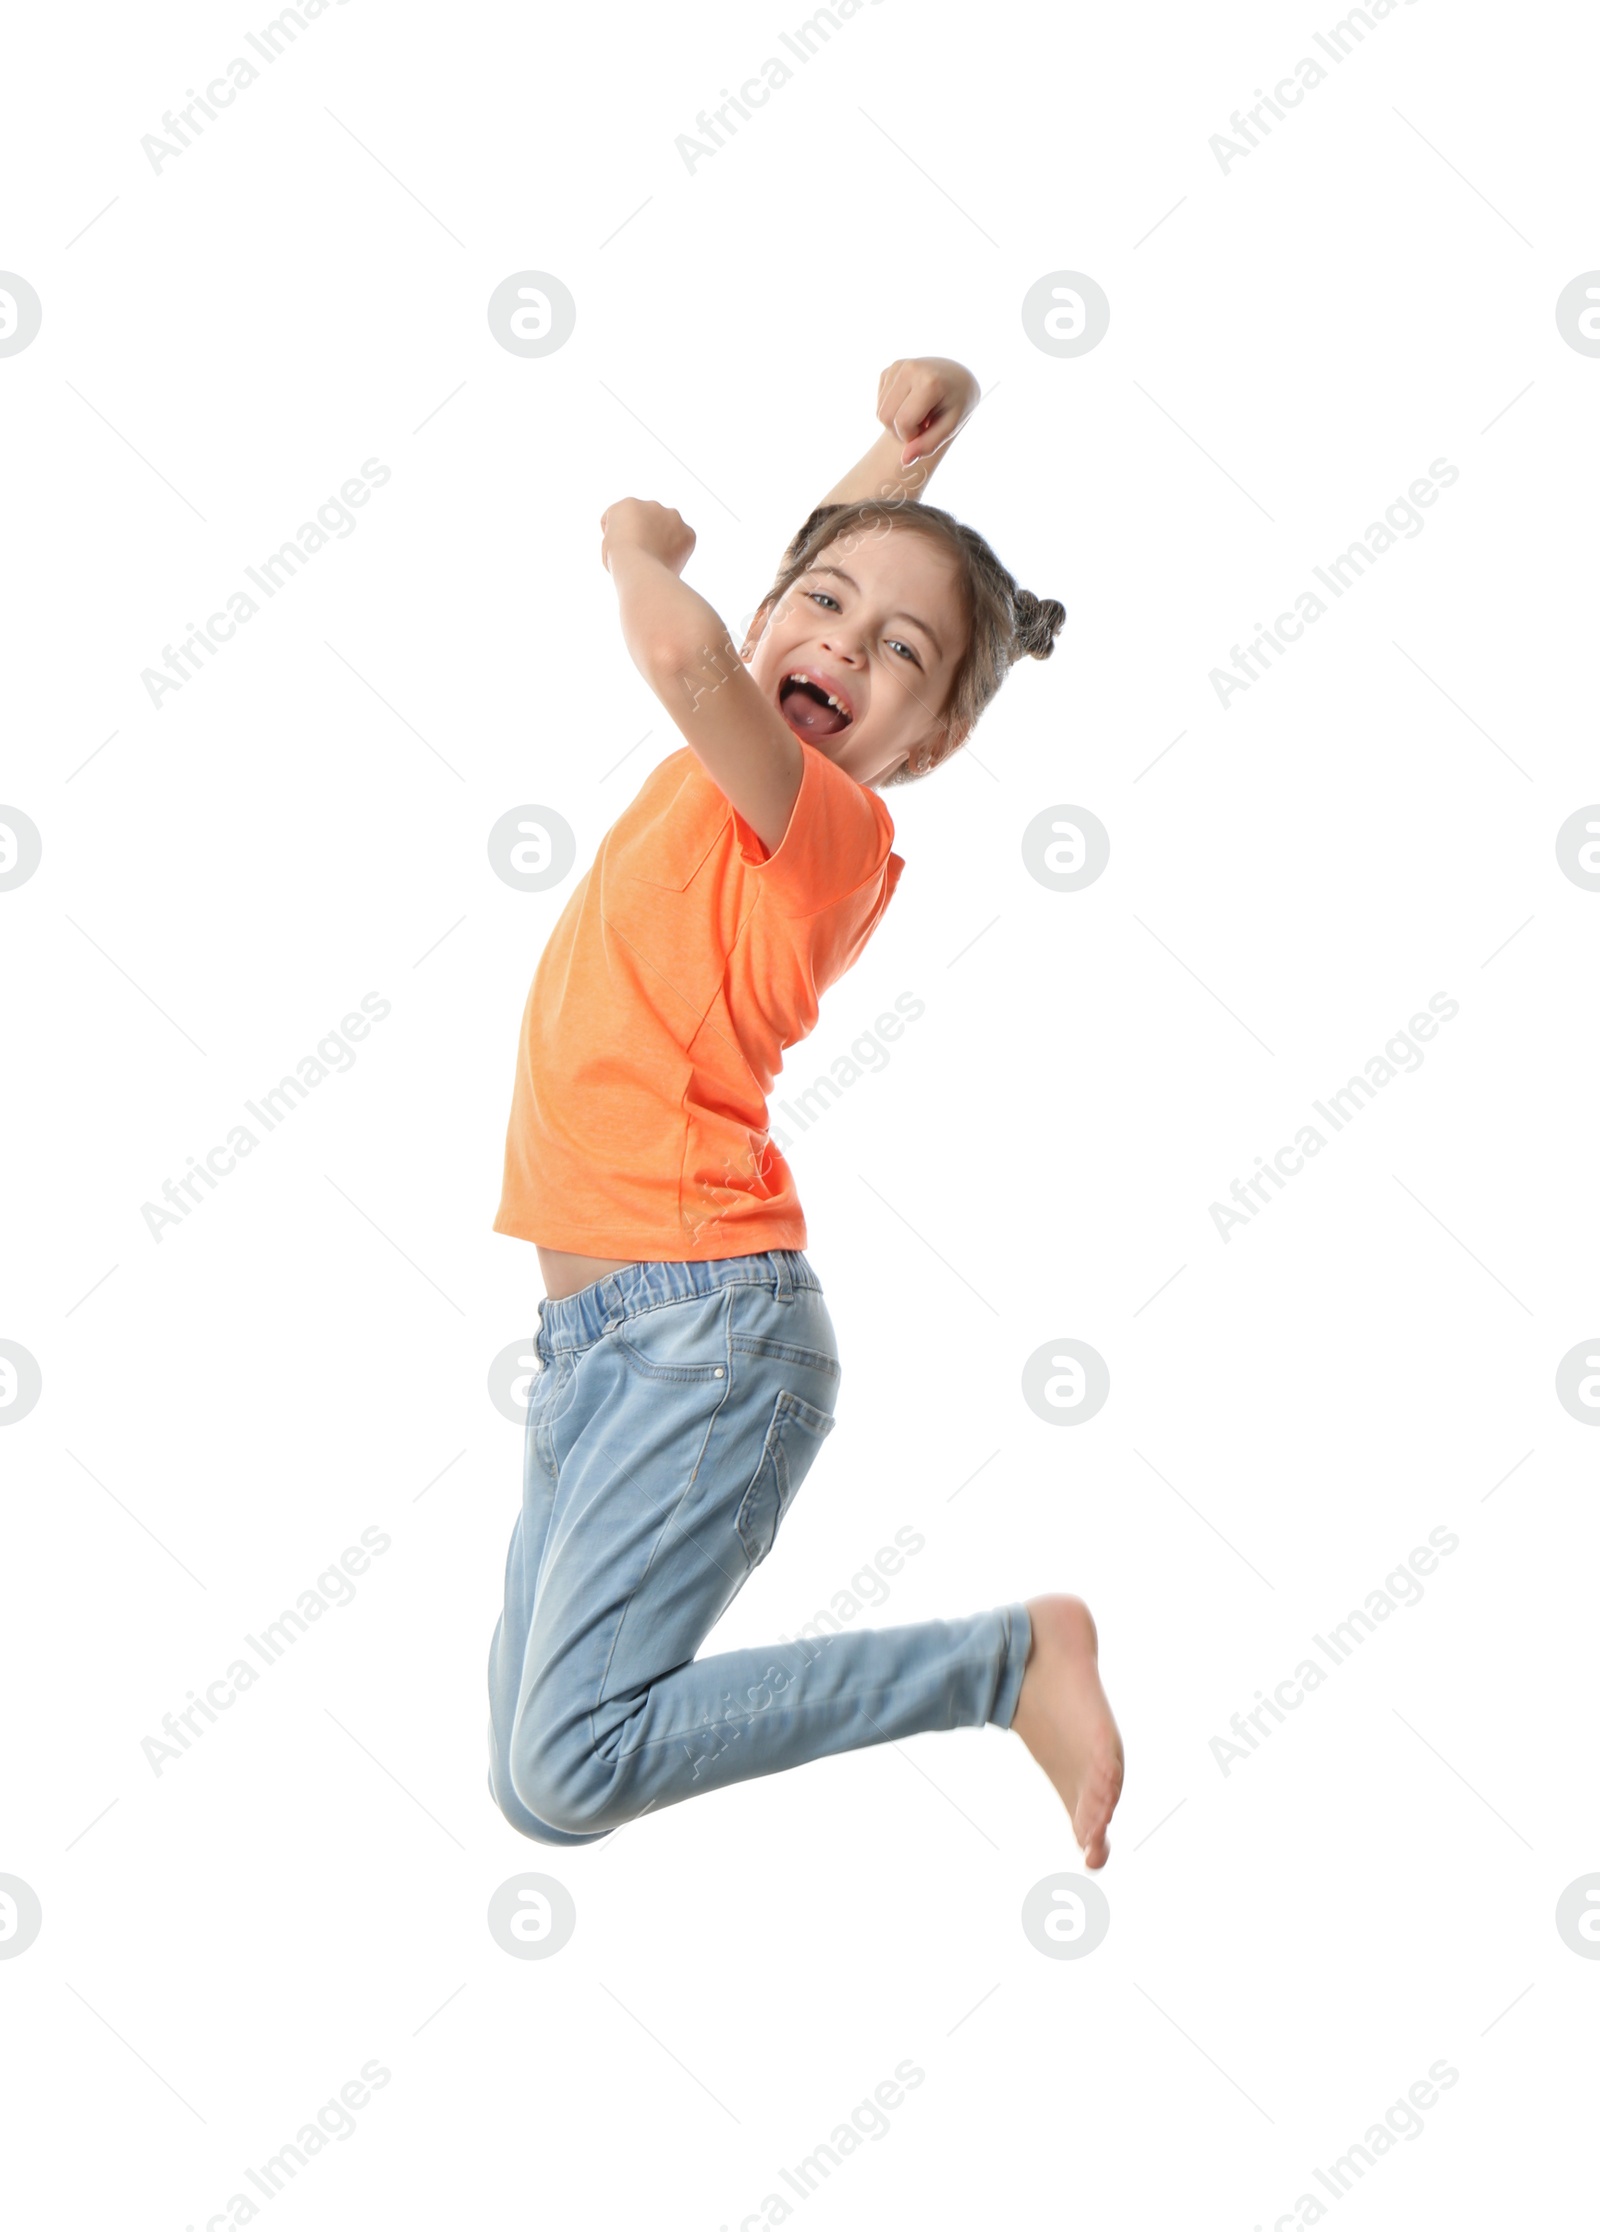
807,711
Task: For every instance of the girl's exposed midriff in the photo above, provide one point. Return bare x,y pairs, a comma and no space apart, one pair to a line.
564,1274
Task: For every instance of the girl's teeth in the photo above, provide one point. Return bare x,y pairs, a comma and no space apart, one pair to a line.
843,711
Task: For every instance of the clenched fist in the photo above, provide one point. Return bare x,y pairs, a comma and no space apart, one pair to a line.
924,400
634,523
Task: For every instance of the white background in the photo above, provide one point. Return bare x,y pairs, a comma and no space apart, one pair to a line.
1292,1945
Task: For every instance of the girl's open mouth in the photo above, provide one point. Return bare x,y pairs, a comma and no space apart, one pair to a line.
810,708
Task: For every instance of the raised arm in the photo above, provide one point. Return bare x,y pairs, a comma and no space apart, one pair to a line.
679,644
678,641
922,404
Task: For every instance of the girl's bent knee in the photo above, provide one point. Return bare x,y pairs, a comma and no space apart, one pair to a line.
568,1790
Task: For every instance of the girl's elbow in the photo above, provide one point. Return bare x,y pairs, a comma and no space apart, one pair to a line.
680,671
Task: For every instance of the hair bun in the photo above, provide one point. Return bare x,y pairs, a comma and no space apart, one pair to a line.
1039,621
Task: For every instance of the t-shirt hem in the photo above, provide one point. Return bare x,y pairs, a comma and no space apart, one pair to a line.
654,1247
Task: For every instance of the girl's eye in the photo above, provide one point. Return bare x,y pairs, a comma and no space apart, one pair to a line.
894,641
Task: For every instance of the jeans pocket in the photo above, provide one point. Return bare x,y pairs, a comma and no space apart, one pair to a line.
796,1433
683,1342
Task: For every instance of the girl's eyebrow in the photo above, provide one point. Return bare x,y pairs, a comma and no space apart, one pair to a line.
839,574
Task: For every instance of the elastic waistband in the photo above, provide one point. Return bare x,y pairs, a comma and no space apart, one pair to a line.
576,1320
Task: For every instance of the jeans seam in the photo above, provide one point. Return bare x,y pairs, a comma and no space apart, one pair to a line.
767,1712
686,1491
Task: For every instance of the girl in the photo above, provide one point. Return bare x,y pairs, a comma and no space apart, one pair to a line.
689,1366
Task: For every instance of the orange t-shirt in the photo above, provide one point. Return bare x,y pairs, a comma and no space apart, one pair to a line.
683,964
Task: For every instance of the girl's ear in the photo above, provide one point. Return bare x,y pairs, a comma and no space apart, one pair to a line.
952,735
933,752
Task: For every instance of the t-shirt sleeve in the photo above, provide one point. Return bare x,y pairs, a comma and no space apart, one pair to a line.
839,837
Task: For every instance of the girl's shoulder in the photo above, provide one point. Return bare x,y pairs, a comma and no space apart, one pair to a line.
674,819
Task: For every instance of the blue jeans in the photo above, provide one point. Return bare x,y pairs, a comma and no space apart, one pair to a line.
679,1407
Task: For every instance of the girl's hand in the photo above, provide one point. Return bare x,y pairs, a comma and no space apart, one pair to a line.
924,401
637,524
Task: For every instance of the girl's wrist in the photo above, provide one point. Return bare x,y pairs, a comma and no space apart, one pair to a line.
879,477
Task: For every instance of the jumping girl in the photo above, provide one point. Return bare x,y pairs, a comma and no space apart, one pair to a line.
689,1366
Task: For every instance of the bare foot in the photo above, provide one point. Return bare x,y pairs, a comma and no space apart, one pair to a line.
1063,1718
